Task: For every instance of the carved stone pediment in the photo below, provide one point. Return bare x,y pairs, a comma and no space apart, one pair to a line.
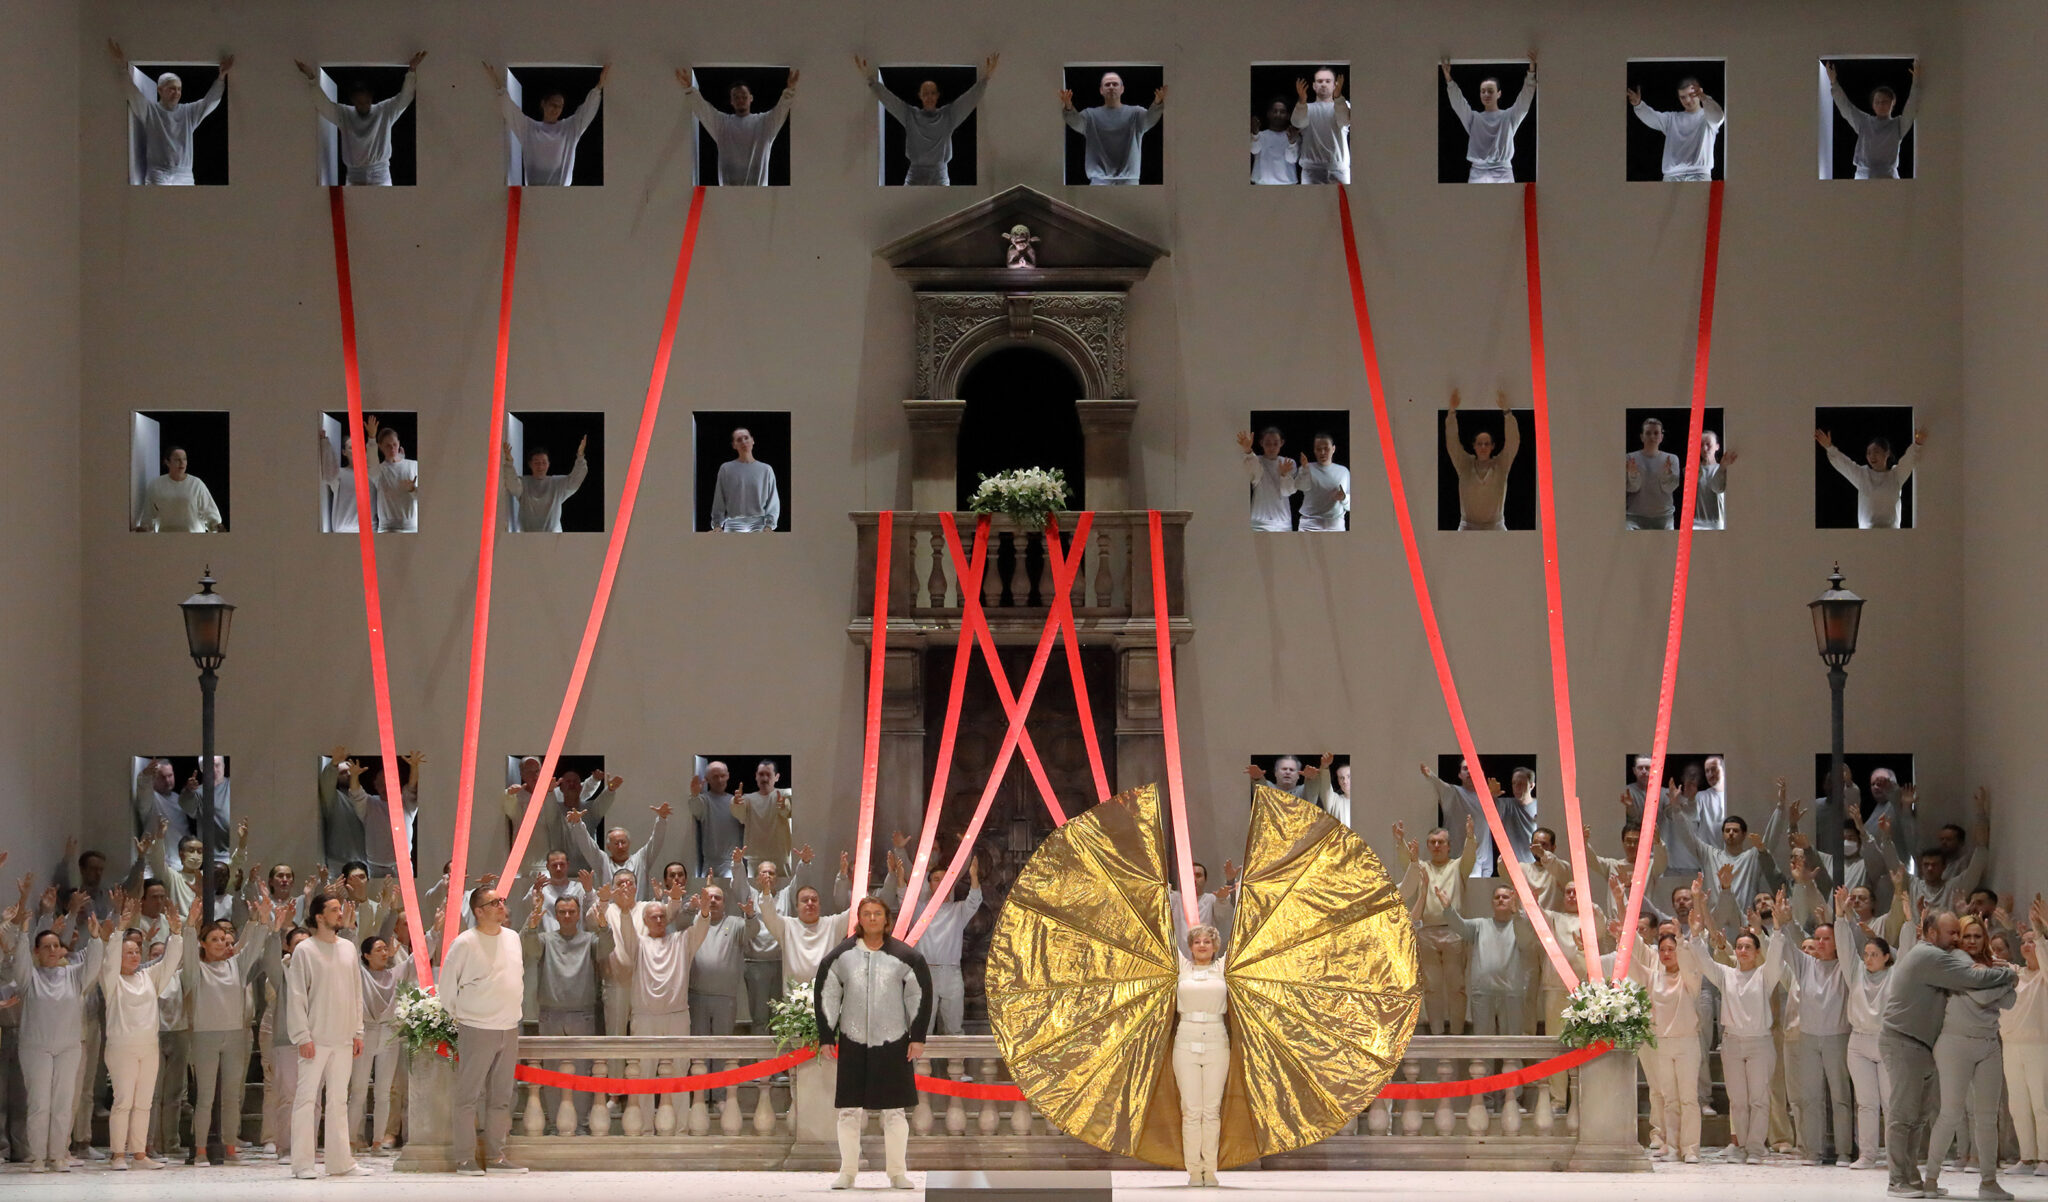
1085,329
966,251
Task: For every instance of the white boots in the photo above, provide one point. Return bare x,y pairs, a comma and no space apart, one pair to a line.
895,1144
1199,1137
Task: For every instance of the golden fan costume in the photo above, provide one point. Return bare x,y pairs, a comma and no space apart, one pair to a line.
1321,982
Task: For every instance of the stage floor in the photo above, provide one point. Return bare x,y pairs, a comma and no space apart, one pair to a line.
268,1182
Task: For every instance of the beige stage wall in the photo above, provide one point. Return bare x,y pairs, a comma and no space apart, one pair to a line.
117,298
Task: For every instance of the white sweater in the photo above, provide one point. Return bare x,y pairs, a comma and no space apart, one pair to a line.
746,491
365,138
1745,996
660,967
2027,1021
53,999
1490,137
1688,137
167,132
804,944
131,998
218,990
181,506
1325,127
1880,496
1270,491
539,498
323,993
744,143
1878,139
483,979
398,498
548,152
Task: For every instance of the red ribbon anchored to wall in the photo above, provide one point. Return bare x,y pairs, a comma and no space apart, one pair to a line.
1419,582
615,547
871,739
1681,574
1562,1063
1553,585
1169,725
373,601
486,554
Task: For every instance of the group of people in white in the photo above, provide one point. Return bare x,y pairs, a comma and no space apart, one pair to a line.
1883,1011
1305,141
1652,478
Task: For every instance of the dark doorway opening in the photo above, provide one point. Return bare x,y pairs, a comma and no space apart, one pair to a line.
1020,413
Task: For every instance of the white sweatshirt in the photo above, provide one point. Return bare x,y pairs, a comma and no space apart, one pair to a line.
341,495
375,816
804,944
1650,485
1318,484
1880,496
1274,156
1673,1012
183,506
1270,491
323,993
2027,1021
365,137
539,507
1745,996
948,930
767,824
131,998
483,979
398,498
660,967
1494,952
1709,511
1688,137
548,152
746,492
1115,139
1878,139
53,999
167,132
928,134
1490,137
1325,127
745,144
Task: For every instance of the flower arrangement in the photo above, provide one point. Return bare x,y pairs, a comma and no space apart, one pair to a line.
1028,495
423,1022
793,1018
1614,1012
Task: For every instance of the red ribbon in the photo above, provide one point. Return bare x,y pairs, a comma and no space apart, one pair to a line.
616,545
973,631
1498,1081
990,1092
871,740
487,542
1083,711
1062,574
1169,726
1420,584
1553,585
1681,573
373,602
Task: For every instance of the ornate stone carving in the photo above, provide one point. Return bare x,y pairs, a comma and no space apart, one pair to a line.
1086,328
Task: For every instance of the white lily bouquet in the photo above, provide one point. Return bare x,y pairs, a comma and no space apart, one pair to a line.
793,1018
423,1022
1616,1012
1027,494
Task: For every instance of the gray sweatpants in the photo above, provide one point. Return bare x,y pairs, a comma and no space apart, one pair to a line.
949,999
1911,1066
1972,1072
568,1022
483,1081
1820,1065
764,985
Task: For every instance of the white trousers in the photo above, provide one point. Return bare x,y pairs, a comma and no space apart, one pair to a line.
1689,177
1495,524
1442,957
1491,175
660,1024
1327,522
1872,1084
52,1077
618,1016
374,174
1971,1076
2026,1085
949,999
1672,1068
89,1065
379,1060
1324,173
1201,1061
322,1080
133,1067
219,1058
1746,1062
895,1140
162,176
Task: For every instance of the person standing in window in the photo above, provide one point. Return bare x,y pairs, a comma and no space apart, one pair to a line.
547,147
177,501
1709,511
1880,484
1689,133
1272,479
745,499
928,128
1651,477
1276,146
364,122
1490,132
1325,487
1114,132
539,496
746,139
396,480
1879,133
1325,125
168,126
1482,475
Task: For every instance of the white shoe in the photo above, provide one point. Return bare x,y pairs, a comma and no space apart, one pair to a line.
354,1170
308,1175
843,1181
1706,1111
504,1168
1692,1158
120,1164
903,1181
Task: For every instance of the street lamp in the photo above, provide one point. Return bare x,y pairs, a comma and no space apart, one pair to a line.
1836,615
207,616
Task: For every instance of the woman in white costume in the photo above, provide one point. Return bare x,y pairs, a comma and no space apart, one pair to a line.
1747,1051
1201,1053
131,993
1672,976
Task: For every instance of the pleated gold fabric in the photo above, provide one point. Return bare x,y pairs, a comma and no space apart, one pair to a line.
1082,971
1322,973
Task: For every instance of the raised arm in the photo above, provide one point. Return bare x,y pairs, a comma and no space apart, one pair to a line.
891,102
1526,97
587,111
1461,459
1459,105
1912,105
1716,117
1157,108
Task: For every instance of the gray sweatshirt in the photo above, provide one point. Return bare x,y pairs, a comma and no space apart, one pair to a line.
1115,138
928,134
568,966
1920,984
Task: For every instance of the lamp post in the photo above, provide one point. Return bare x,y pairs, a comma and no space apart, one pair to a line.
1836,615
207,615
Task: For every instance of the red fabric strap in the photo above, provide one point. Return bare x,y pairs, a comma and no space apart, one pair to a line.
1072,638
871,739
1419,582
1562,1063
373,602
486,554
615,547
992,1092
1681,574
1169,725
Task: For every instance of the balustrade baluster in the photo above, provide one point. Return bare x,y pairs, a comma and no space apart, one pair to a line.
935,583
1476,1118
632,1119
1379,1117
533,1121
991,574
700,1103
921,1115
1104,584
1543,1118
1020,578
985,1112
1572,1086
764,1106
565,1110
1446,1118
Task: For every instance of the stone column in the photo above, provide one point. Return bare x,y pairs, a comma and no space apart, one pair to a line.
429,1112
1106,437
1607,1117
934,454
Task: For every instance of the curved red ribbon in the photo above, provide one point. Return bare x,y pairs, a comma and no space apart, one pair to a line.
615,547
871,738
1561,1063
486,548
1681,573
989,1092
373,601
1169,724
